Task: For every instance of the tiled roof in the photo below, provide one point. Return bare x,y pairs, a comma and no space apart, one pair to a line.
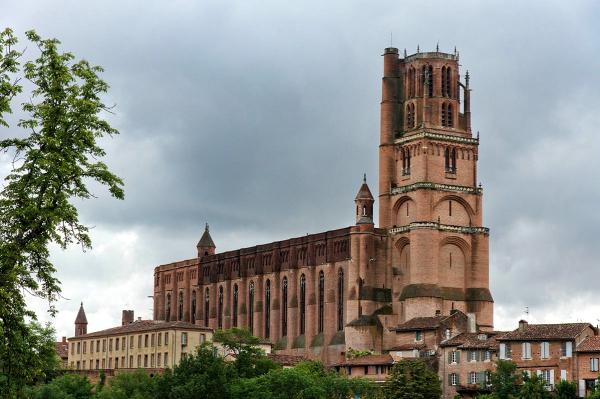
472,341
144,325
420,323
367,360
533,332
286,360
590,344
62,349
206,240
407,347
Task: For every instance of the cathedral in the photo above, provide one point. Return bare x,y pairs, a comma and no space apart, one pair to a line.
320,295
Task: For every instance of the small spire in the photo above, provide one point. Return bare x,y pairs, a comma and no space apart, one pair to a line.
437,47
467,78
418,50
364,177
454,50
478,135
457,55
404,53
206,227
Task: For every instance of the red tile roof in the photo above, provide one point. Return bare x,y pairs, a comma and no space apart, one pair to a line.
368,360
473,341
420,323
590,344
144,325
534,332
62,349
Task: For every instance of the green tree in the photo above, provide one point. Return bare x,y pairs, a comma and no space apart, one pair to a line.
412,379
202,375
566,390
250,361
55,156
308,380
596,393
136,385
68,386
533,387
505,380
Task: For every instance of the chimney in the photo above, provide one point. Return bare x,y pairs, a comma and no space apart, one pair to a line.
472,322
64,339
127,317
523,325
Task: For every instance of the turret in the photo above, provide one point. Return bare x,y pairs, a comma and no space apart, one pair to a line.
80,322
206,245
364,204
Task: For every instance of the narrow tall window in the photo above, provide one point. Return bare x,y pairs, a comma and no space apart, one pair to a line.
428,80
193,311
444,114
413,82
449,82
251,307
180,308
340,305
220,310
284,307
443,87
450,116
235,305
321,300
168,308
206,306
302,304
268,309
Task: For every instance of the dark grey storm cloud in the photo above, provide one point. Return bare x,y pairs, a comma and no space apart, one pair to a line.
260,118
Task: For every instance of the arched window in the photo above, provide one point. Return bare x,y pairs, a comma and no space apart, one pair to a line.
251,307
268,309
321,300
450,116
302,304
450,159
448,82
340,304
235,305
413,83
284,307
206,306
444,114
427,75
180,306
193,312
405,161
220,310
168,308
443,87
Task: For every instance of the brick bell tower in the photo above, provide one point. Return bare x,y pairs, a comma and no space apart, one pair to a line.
430,200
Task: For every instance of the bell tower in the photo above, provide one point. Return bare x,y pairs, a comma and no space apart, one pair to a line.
430,200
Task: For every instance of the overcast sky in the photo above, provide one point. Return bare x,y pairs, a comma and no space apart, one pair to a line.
260,118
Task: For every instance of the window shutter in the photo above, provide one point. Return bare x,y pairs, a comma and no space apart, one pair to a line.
563,375
582,388
502,351
481,378
457,379
450,379
457,356
539,373
569,349
552,376
449,358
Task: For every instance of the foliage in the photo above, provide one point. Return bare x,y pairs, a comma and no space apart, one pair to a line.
250,361
203,375
566,390
308,380
596,393
55,156
136,385
352,353
69,386
412,379
505,380
533,387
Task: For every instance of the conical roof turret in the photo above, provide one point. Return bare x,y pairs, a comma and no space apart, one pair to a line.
81,319
364,193
206,245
